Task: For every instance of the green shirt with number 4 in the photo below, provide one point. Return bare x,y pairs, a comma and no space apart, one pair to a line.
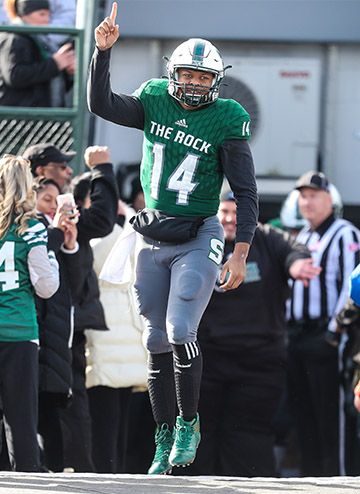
17,306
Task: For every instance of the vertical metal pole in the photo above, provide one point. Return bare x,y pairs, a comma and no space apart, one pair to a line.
85,20
331,74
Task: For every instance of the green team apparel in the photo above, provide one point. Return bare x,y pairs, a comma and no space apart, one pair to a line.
181,170
17,306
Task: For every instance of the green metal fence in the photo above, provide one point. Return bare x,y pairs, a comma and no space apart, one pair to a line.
21,127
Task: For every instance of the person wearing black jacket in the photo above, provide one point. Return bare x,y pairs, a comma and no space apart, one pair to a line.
28,62
95,221
55,317
243,340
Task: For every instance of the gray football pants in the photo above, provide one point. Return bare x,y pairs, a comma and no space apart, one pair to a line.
174,283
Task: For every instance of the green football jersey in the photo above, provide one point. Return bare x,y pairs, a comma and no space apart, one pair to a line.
181,171
17,306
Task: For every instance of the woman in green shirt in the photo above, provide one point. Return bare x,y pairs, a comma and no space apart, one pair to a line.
25,267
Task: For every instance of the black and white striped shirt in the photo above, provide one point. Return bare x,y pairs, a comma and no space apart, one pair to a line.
335,247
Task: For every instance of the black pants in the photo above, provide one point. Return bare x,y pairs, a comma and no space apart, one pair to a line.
313,388
76,420
109,408
19,395
239,396
141,446
50,431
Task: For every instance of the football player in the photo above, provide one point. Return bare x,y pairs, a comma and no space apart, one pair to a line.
192,139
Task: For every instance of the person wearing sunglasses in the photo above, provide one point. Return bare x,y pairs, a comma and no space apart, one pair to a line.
48,161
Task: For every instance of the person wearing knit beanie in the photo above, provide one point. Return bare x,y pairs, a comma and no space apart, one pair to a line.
25,7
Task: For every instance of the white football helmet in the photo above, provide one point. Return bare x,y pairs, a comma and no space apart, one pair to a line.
290,215
337,203
195,54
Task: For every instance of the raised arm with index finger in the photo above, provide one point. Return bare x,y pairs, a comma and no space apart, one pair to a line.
107,33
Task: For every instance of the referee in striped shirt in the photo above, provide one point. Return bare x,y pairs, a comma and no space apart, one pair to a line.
314,373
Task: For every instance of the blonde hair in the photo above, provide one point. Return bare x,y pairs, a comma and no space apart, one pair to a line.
10,9
17,197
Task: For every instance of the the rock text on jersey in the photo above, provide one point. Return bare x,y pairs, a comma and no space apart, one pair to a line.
180,137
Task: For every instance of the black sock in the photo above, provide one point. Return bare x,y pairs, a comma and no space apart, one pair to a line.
188,372
162,388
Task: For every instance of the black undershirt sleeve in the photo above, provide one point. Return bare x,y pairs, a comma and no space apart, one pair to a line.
121,109
238,167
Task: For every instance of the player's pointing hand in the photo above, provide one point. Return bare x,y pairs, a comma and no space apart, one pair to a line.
107,32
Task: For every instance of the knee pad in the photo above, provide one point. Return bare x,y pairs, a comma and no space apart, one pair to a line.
155,341
178,330
190,284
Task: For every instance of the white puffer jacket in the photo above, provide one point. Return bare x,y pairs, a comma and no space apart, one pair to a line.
115,358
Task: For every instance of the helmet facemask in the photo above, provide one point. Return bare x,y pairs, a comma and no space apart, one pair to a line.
193,94
200,55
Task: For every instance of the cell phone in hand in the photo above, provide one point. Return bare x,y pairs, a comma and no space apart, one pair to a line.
68,200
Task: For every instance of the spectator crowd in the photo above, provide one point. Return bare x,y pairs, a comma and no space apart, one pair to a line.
92,400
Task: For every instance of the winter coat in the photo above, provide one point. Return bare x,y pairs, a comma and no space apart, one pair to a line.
97,221
115,358
56,324
25,72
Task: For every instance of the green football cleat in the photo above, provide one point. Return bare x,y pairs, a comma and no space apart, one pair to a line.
164,440
187,439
